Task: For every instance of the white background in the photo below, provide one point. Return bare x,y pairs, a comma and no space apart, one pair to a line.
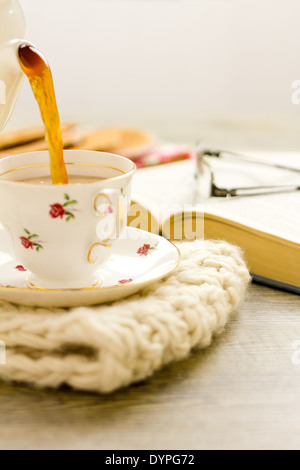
173,62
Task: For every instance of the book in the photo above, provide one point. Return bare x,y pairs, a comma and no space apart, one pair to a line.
166,200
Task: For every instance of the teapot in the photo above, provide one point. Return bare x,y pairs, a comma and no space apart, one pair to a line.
12,32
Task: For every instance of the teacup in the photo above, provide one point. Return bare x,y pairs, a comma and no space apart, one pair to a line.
63,233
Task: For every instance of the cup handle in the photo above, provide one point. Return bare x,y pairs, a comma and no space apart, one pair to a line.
109,201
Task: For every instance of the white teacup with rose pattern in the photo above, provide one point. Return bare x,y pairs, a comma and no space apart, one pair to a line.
63,233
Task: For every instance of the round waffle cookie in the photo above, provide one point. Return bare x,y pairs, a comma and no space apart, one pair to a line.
129,142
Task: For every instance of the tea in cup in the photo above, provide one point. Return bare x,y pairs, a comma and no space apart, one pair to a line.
63,233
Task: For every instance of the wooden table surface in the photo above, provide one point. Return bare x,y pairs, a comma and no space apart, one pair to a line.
241,393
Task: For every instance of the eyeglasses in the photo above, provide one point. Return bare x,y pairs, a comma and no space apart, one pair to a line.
208,187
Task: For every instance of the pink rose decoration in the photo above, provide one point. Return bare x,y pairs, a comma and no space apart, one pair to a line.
20,268
125,281
26,242
143,250
57,210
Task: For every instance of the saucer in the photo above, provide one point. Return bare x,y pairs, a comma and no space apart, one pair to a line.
139,259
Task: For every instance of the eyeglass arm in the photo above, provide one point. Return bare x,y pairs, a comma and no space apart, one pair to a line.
251,190
246,159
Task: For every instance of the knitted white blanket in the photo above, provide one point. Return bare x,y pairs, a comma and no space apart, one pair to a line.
106,347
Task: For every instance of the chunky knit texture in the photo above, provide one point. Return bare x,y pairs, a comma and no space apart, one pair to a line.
106,347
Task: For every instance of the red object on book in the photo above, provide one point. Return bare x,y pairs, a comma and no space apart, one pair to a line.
166,153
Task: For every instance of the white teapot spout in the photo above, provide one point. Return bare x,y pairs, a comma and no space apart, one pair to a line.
12,34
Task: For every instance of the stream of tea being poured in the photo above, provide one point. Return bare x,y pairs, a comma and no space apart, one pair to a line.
35,66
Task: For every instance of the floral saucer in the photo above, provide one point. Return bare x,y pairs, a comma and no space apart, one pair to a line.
139,259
